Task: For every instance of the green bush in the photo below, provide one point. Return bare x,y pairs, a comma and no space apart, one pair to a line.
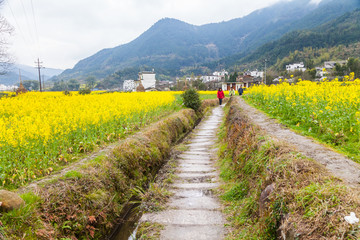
191,99
84,91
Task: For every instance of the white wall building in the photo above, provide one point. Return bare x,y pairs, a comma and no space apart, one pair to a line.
147,79
331,64
129,86
223,73
206,79
296,67
255,74
7,88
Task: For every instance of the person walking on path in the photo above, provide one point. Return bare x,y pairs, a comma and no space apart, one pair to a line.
220,95
240,90
232,92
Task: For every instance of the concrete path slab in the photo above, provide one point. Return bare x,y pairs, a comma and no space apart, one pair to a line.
194,211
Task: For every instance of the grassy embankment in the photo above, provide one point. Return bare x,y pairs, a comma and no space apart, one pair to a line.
84,203
305,202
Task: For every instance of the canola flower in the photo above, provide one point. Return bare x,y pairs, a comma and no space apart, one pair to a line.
329,110
39,132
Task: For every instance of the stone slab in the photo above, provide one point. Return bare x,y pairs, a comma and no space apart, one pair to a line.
185,217
196,185
194,161
201,169
195,203
192,193
172,232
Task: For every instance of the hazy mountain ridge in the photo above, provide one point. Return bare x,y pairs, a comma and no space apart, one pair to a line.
27,73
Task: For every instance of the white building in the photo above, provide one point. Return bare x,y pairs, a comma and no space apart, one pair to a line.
147,79
206,79
331,64
129,86
255,74
223,73
7,88
296,67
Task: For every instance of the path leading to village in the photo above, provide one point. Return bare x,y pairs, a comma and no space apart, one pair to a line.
339,165
194,211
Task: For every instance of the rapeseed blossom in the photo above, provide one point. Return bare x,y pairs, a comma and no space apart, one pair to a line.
330,109
40,131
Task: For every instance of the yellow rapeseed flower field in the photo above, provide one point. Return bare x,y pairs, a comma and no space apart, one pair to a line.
39,132
329,111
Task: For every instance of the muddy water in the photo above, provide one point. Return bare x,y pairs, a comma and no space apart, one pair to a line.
126,229
194,211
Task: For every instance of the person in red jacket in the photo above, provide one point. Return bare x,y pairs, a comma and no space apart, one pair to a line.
220,95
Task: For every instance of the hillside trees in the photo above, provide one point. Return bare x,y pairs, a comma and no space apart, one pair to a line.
31,85
73,85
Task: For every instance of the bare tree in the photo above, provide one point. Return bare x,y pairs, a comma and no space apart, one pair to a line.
6,31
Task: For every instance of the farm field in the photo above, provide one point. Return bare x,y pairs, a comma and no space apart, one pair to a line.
327,111
40,132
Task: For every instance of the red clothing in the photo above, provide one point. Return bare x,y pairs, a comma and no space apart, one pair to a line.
220,94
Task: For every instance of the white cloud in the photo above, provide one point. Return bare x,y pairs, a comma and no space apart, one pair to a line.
69,30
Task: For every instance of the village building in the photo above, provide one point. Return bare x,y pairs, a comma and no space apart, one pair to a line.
7,88
226,86
206,79
331,64
148,79
255,74
244,81
129,86
221,74
296,67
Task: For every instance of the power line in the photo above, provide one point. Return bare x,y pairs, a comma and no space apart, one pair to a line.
35,25
27,21
16,22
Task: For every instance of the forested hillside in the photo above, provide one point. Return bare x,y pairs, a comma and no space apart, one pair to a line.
344,30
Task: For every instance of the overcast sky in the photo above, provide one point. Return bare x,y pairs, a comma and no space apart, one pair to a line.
63,32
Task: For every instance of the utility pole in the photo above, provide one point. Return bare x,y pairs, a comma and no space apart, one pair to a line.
38,66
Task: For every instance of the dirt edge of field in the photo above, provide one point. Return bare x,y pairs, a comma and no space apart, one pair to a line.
272,191
85,200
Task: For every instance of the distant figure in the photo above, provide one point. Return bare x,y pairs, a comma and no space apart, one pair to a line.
241,90
220,95
232,92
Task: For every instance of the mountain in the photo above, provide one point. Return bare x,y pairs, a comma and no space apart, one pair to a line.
327,11
27,73
344,30
171,45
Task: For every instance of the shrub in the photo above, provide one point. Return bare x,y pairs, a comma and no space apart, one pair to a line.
67,93
191,99
85,91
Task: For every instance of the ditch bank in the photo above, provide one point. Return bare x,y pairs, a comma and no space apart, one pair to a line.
271,191
88,201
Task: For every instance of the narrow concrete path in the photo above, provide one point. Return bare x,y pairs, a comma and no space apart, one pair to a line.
194,212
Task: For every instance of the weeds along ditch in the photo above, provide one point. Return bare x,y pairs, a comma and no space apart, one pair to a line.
272,192
87,202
